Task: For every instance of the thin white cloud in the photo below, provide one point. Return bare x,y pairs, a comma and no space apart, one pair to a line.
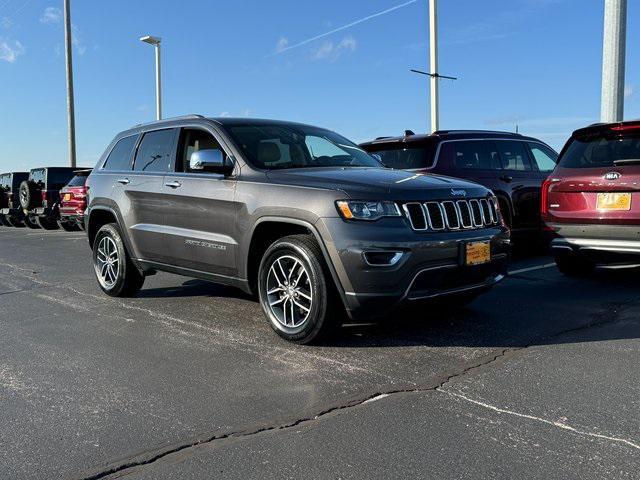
10,51
628,91
288,47
330,51
224,114
281,45
51,15
76,41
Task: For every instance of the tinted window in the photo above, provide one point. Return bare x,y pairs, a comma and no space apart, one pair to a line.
5,181
475,155
513,155
155,151
58,178
545,158
120,156
601,152
275,146
194,140
78,181
405,158
37,176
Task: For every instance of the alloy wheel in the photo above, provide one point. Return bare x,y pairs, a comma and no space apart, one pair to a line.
107,262
289,291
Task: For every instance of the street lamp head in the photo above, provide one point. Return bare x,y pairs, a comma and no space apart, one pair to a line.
151,40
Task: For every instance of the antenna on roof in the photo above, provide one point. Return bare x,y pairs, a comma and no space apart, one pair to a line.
408,133
516,128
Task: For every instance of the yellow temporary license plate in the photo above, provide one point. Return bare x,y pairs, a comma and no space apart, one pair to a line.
614,201
478,253
67,197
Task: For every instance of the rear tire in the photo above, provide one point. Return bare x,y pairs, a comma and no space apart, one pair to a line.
117,276
296,291
4,221
13,222
572,266
46,224
30,223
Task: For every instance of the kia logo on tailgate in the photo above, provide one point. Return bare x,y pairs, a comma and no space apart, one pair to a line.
612,176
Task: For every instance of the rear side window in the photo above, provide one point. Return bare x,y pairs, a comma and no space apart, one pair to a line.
58,178
5,181
544,157
78,181
120,156
601,152
475,155
405,158
155,151
513,155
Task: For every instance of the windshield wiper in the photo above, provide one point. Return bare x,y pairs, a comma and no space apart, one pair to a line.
627,161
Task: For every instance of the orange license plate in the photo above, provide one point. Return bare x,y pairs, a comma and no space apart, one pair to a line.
614,201
478,253
67,197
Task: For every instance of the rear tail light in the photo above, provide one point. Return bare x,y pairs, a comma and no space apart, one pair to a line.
544,195
44,198
624,128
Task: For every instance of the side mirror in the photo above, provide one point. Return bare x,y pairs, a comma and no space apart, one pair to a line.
209,161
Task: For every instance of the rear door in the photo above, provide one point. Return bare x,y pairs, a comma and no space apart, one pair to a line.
142,187
201,231
518,176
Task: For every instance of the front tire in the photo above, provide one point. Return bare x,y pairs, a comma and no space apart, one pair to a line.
68,226
46,224
116,274
296,290
572,266
30,223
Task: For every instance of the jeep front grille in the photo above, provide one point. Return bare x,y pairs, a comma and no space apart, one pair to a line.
450,215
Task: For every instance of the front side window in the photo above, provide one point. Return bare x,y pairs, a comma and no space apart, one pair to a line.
193,140
78,181
280,146
37,176
513,155
120,156
155,151
475,155
545,158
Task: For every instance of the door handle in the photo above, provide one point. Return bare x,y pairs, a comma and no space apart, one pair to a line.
506,178
124,181
173,184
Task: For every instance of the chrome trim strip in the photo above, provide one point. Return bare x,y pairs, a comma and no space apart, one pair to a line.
473,217
439,205
396,257
446,216
459,208
408,214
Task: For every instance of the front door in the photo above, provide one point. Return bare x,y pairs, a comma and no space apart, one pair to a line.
200,210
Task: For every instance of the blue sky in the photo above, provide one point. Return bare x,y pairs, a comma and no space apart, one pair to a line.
531,62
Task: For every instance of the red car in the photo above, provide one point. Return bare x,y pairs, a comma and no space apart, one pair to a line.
591,201
73,202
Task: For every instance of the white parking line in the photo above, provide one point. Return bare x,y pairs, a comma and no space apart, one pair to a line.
531,269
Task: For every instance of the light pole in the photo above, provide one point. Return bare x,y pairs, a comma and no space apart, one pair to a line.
71,121
155,41
613,60
433,64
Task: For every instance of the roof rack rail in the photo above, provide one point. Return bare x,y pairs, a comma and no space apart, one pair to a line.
382,138
440,132
180,117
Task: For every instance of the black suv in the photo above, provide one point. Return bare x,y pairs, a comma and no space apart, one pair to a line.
512,166
11,215
40,196
297,214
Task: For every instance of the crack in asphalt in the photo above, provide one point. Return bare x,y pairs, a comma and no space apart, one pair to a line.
608,316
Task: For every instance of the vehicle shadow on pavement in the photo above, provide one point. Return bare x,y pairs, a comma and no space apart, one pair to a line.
195,288
523,311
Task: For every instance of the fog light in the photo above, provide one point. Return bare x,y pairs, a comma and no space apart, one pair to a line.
382,258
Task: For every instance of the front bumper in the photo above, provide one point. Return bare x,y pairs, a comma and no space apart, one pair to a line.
12,212
431,265
603,244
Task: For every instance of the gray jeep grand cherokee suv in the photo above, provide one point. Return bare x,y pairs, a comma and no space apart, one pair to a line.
296,214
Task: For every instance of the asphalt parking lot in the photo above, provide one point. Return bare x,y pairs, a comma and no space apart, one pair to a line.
537,379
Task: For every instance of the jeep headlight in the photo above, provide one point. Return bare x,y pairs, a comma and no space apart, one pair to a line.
364,210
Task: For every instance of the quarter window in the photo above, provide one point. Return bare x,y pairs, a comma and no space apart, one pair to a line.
120,156
155,151
513,155
545,158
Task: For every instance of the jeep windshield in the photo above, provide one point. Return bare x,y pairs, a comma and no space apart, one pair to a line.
271,147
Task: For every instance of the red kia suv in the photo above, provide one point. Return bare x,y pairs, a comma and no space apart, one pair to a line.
73,202
591,202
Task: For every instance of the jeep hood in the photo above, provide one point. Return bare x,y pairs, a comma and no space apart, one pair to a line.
379,183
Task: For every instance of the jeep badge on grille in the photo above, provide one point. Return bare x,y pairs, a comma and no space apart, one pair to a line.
458,193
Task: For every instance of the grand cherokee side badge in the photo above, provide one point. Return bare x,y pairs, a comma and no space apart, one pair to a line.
612,176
